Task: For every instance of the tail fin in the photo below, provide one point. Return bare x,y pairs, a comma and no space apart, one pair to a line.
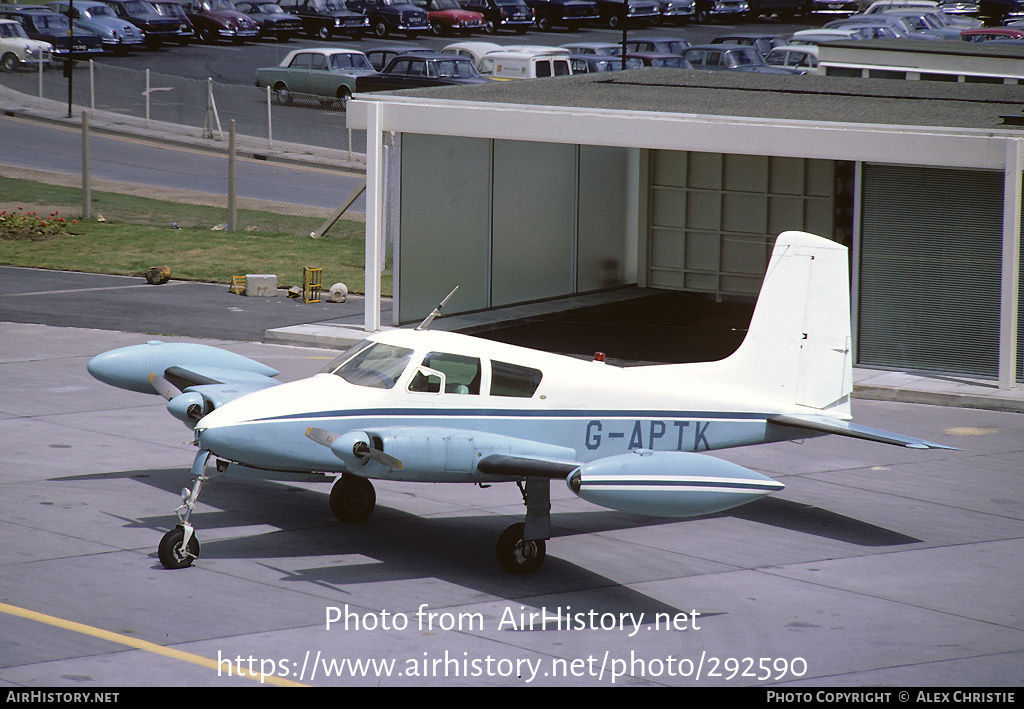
797,348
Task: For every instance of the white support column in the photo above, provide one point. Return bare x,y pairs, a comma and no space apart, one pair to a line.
1010,289
374,213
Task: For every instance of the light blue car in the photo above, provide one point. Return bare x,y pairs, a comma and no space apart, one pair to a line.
117,35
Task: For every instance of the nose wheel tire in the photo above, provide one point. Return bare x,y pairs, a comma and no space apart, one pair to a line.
517,555
174,553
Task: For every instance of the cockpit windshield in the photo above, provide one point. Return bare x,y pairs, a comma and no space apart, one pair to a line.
371,364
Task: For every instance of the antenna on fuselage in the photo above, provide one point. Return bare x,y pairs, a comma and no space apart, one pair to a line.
437,311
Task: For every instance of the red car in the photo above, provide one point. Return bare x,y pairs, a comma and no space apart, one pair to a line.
448,18
989,34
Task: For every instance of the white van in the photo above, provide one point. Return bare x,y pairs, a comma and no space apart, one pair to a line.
524,65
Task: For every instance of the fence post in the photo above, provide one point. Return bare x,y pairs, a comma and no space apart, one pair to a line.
232,186
92,85
270,121
147,98
86,183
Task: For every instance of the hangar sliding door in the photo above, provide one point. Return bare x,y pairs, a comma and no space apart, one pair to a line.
930,254
712,218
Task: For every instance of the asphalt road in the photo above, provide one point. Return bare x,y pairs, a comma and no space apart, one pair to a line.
183,308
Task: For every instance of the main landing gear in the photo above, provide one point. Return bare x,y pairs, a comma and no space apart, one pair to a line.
521,547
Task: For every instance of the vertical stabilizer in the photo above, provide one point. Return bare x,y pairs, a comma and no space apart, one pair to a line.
797,348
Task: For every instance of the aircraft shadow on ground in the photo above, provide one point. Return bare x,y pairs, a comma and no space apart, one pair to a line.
397,545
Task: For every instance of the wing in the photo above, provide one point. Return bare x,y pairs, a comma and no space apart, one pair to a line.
823,424
195,379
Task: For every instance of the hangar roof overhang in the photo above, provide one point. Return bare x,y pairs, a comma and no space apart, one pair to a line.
907,122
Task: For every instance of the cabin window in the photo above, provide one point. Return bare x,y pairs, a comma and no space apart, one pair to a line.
454,374
514,380
371,364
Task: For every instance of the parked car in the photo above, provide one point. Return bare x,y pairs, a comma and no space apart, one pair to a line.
571,14
45,25
960,12
325,19
218,19
900,26
639,13
324,72
800,59
674,12
785,10
410,71
474,51
387,16
656,45
512,65
594,63
173,9
993,34
670,61
707,10
730,57
763,43
817,35
512,15
843,8
605,48
447,17
274,23
868,30
117,35
996,12
380,57
158,29
17,49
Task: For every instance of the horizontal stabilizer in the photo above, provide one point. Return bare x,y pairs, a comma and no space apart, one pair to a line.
822,424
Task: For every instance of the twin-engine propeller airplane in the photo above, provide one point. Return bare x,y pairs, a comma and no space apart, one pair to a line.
431,406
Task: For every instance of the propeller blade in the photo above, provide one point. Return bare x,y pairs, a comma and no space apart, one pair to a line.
362,450
163,387
321,436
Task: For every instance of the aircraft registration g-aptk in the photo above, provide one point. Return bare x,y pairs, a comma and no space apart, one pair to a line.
432,406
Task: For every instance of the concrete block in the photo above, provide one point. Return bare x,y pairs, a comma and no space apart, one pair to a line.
261,284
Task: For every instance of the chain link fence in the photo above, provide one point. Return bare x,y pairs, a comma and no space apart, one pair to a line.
299,159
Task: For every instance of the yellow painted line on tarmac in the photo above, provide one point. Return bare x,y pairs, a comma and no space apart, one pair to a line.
142,645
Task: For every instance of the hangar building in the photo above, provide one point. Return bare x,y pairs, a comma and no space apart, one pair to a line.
668,179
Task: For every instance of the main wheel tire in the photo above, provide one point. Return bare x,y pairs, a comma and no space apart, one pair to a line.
9,62
352,498
173,552
517,555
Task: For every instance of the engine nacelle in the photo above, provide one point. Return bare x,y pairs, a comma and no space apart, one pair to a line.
188,407
432,454
668,484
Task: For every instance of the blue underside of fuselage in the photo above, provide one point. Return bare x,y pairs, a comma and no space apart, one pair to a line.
279,442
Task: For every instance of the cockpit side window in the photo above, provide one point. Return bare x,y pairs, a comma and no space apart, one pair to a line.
371,364
514,380
458,374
